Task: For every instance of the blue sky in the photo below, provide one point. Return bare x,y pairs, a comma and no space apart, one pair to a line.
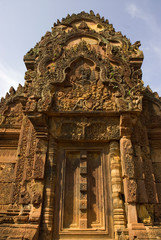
24,22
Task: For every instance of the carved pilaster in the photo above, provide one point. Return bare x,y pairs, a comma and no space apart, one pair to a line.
20,166
37,184
128,168
117,188
48,207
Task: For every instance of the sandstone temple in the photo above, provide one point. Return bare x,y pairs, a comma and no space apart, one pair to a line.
80,142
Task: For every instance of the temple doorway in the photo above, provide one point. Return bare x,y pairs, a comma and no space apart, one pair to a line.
82,202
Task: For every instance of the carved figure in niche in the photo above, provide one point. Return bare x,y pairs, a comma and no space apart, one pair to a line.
82,72
82,77
85,74
88,91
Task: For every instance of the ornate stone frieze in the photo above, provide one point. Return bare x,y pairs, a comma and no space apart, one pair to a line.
84,128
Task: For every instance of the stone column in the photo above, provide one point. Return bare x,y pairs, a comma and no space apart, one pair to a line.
46,228
119,218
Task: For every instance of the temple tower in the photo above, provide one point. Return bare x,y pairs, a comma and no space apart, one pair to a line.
80,154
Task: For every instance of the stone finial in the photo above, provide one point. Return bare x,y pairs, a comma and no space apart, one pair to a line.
97,15
19,89
92,13
83,25
7,95
12,91
2,99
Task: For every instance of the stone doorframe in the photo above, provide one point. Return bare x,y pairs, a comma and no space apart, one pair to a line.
75,129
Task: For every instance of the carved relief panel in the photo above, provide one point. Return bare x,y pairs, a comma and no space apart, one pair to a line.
83,196
8,159
7,169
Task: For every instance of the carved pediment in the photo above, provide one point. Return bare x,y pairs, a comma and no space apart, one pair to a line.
84,80
83,65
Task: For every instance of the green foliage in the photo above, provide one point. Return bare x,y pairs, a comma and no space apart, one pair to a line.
115,86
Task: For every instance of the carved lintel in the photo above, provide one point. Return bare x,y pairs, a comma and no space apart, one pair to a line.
90,128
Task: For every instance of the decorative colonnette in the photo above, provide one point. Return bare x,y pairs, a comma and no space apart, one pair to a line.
46,229
119,217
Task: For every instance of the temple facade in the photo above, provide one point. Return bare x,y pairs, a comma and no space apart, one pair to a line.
80,142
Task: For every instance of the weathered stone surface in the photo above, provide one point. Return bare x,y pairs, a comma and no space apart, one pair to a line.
7,172
157,213
141,192
80,142
157,172
5,193
158,187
